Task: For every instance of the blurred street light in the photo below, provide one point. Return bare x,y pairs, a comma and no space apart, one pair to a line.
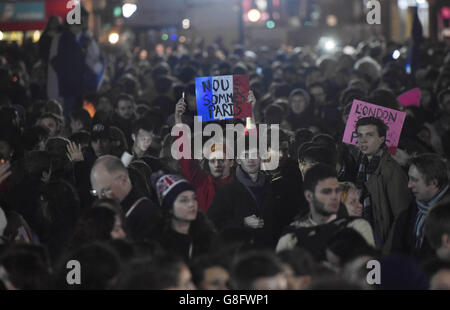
396,54
128,9
186,23
254,15
113,38
330,45
270,24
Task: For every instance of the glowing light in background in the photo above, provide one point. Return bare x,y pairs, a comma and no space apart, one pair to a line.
113,38
270,24
1,35
128,9
330,44
186,23
254,15
332,20
117,11
349,50
173,37
36,36
396,54
165,37
445,11
182,39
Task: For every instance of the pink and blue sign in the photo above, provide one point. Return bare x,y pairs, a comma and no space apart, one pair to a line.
222,97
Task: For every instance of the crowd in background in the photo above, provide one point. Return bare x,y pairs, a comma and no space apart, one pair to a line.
87,172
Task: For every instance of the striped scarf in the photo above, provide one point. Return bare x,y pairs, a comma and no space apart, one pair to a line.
422,211
365,170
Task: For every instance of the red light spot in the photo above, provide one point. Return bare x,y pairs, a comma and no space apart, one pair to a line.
15,79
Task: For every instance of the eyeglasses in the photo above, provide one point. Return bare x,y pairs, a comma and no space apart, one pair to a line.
104,192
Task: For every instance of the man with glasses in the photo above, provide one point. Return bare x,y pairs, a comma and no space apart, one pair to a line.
109,179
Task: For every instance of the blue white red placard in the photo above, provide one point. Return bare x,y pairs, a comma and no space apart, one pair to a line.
222,97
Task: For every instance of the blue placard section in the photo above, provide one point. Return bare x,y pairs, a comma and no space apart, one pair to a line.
203,93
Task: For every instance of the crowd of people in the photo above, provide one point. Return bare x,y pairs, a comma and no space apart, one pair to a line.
87,172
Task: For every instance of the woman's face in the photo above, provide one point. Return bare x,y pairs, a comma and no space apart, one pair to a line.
117,232
185,206
298,104
354,207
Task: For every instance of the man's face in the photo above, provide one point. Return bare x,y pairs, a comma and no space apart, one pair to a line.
298,104
143,140
113,186
249,165
219,167
419,187
369,142
125,109
319,94
104,105
51,125
325,199
215,278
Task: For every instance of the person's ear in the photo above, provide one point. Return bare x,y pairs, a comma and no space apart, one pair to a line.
445,241
309,195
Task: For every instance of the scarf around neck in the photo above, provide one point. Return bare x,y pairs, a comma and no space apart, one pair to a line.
245,179
422,211
365,170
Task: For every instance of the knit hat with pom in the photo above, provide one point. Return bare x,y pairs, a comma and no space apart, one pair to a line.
168,187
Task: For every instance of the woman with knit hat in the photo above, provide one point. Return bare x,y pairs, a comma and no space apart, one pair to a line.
186,231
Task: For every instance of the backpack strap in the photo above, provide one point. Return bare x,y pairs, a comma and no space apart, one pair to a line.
135,204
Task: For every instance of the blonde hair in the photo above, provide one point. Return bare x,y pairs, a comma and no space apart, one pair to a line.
345,189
